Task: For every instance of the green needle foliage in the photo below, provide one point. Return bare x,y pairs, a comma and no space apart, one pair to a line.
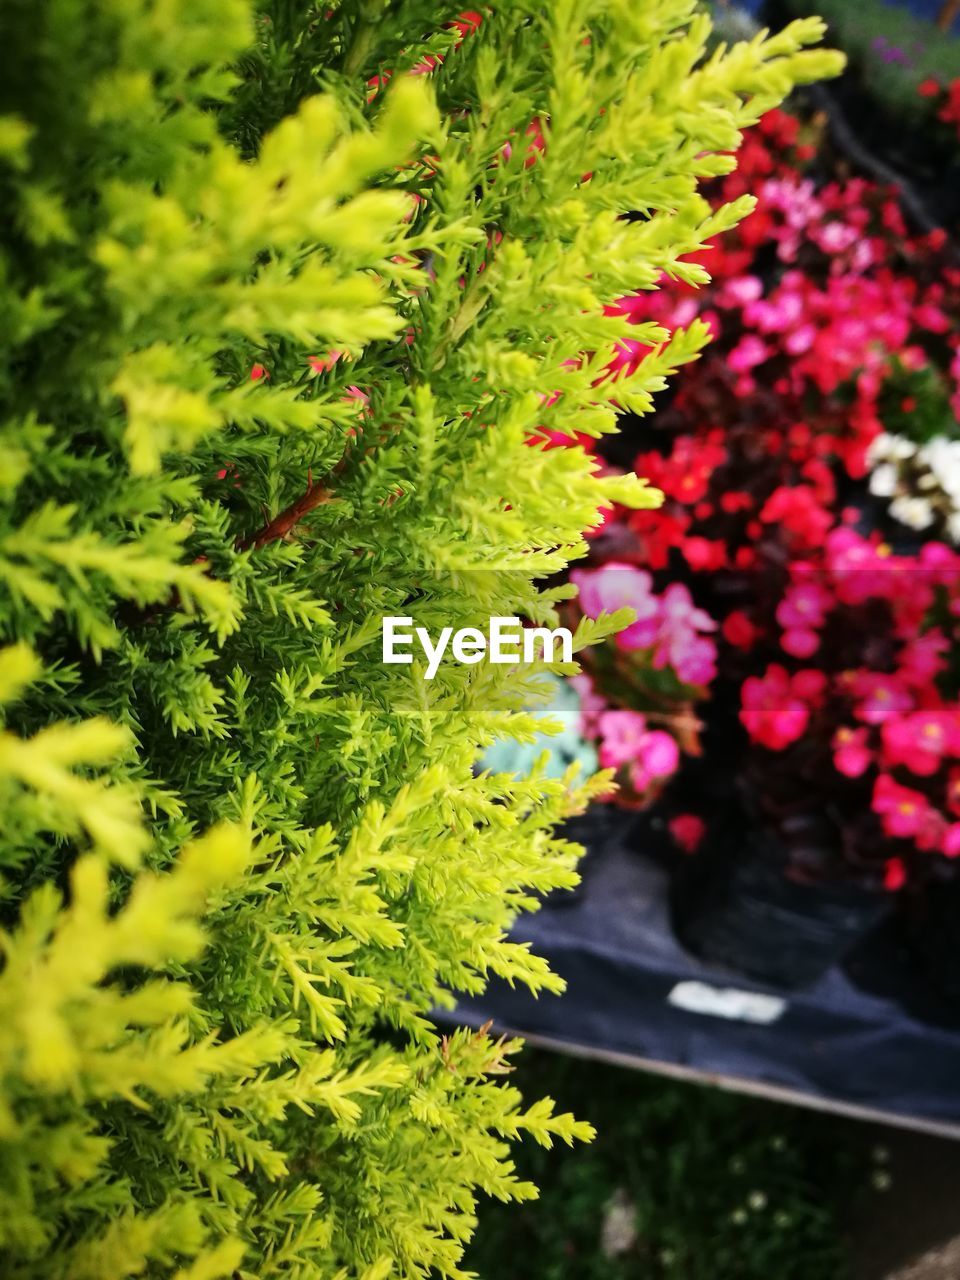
241,858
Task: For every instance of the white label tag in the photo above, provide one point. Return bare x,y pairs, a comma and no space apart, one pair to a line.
726,1002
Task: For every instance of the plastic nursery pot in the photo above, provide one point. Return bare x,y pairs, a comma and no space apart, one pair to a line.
600,827
932,936
744,913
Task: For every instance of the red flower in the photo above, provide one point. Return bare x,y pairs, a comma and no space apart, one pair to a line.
953,792
771,711
894,874
739,631
687,830
798,510
704,553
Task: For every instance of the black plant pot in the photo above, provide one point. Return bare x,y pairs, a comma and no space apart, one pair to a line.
746,914
933,938
600,827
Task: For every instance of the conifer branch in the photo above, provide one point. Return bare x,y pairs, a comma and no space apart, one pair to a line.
285,521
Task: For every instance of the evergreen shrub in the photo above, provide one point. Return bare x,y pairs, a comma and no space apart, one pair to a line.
291,300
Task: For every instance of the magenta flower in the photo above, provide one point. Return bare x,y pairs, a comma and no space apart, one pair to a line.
800,642
950,845
804,604
881,697
921,741
771,710
679,643
903,811
621,733
748,353
921,658
659,753
851,755
617,586
659,758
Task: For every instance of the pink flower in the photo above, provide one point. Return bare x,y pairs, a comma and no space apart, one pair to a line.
771,712
835,237
950,845
621,733
659,758
920,741
804,604
659,753
739,290
921,658
851,754
800,642
902,810
748,353
323,364
617,586
678,643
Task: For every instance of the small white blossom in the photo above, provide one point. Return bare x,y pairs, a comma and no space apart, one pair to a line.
942,456
915,513
953,526
757,1201
883,480
879,450
889,448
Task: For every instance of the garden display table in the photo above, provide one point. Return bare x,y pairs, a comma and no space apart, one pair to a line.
634,997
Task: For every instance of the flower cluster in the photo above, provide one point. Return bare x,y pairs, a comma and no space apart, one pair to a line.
922,481
946,100
660,665
798,459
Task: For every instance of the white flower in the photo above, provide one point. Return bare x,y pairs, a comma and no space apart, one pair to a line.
757,1200
879,449
883,480
942,456
889,448
915,513
953,526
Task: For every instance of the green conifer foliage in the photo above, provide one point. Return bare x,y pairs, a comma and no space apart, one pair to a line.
241,858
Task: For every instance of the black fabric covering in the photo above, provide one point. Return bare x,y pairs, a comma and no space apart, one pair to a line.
615,947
